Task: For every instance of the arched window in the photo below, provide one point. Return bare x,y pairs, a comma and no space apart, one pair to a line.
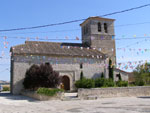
99,27
105,28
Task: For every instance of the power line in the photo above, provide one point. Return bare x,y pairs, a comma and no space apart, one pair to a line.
37,38
67,30
73,21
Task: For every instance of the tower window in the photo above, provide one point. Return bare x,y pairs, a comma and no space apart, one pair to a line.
99,27
105,28
81,66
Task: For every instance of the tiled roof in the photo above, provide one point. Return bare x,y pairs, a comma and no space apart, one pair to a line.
119,70
52,48
96,18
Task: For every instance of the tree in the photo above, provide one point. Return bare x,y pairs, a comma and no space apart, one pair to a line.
41,76
102,75
111,70
119,76
81,75
142,74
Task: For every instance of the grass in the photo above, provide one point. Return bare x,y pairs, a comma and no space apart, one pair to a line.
48,91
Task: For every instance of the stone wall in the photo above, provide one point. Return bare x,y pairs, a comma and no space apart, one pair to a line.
124,75
67,66
114,92
41,97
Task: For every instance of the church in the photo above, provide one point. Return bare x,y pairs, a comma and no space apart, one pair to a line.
90,57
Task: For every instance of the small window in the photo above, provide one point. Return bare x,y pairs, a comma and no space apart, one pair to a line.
105,28
81,66
47,63
99,27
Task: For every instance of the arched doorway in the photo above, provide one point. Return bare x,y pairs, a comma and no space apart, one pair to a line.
66,82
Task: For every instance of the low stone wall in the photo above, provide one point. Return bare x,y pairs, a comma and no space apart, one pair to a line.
34,95
114,92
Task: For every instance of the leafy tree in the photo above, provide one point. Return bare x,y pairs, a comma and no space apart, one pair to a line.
111,70
142,74
41,76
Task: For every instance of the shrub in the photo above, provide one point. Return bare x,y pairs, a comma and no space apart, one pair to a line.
85,83
103,82
99,82
122,83
139,82
6,88
41,76
109,83
48,92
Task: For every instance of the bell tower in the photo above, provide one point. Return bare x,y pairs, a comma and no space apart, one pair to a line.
99,33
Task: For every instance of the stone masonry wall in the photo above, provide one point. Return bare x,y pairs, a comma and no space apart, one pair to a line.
72,70
114,92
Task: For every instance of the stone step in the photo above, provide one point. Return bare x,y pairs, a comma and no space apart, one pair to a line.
71,94
70,97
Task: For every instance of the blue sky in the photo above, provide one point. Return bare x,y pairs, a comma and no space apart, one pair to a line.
26,13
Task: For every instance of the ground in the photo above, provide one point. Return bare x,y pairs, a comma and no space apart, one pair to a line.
22,104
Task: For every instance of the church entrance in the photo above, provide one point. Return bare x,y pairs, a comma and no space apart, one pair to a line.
66,82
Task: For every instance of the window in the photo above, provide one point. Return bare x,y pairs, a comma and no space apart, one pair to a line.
47,63
105,28
81,66
99,27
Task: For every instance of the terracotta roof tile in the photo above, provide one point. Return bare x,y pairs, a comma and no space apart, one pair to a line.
51,48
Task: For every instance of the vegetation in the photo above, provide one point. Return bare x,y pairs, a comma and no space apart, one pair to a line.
103,82
6,88
81,75
99,82
111,70
121,83
41,76
48,92
142,75
85,83
119,76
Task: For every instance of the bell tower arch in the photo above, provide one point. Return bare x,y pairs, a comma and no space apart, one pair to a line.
99,33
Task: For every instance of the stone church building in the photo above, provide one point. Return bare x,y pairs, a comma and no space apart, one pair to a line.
69,59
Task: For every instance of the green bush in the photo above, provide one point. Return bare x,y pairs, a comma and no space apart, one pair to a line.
121,83
99,82
85,83
103,82
6,88
139,82
109,83
48,92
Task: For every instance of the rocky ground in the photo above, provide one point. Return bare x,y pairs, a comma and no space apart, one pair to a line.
21,104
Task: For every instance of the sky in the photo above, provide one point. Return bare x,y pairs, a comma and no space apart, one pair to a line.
27,13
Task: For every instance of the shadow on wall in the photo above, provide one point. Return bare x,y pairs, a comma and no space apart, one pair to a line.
96,75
